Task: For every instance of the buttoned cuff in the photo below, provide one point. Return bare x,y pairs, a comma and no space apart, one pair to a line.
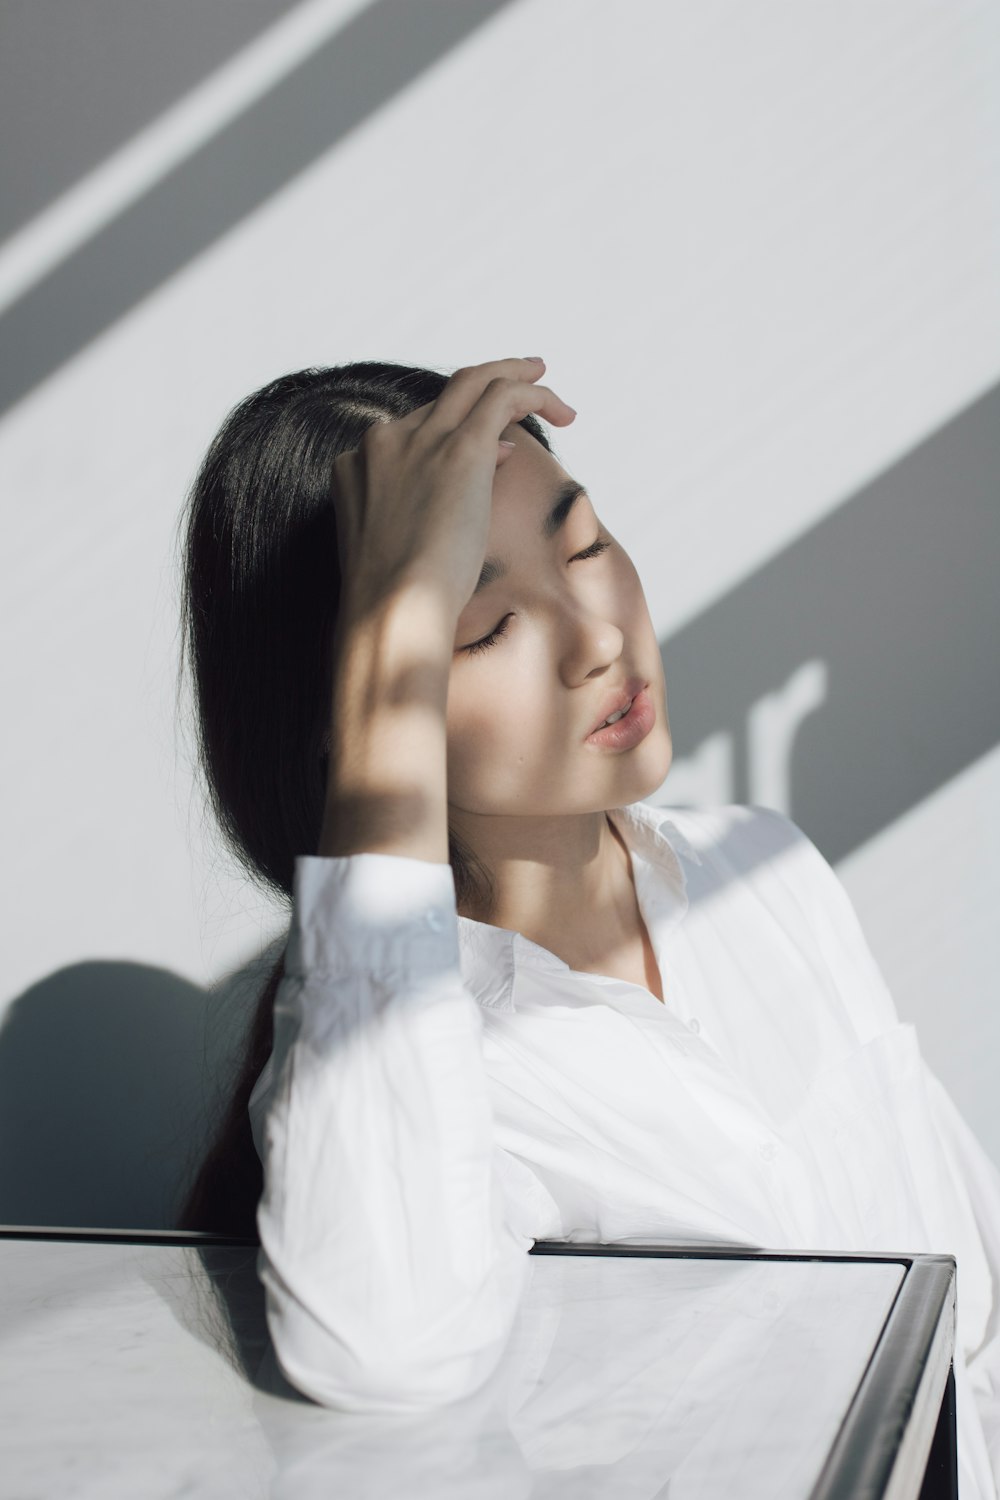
385,913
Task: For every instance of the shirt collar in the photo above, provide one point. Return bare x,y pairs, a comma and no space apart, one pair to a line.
491,956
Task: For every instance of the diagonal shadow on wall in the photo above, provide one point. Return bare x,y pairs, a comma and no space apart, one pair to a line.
111,1073
78,81
896,594
341,84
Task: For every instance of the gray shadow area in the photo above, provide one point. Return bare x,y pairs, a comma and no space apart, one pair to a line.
76,81
365,64
896,592
111,1074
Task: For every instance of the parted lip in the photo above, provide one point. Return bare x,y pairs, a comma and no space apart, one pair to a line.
617,700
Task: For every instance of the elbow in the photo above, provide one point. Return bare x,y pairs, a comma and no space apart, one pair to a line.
387,1378
382,1348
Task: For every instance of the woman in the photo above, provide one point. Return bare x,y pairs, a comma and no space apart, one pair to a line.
516,1002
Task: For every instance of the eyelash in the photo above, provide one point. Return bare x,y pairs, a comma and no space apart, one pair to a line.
594,550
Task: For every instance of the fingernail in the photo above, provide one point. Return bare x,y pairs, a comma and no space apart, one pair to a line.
534,359
505,443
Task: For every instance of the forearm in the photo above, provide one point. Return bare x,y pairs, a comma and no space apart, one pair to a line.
387,785
392,1276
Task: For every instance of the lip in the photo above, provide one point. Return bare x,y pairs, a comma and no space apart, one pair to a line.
633,726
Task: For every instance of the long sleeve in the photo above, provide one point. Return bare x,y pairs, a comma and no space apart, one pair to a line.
391,1255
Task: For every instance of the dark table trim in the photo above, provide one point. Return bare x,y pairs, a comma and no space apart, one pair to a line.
904,1410
909,1378
123,1236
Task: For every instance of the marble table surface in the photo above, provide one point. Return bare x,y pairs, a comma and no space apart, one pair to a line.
143,1370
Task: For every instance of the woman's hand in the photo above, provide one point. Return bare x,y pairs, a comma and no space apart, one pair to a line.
413,516
413,503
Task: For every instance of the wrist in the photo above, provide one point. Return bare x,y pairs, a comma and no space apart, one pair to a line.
386,780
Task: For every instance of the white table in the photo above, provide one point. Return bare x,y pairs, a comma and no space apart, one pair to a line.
139,1366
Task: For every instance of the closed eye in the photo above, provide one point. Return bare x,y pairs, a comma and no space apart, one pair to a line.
486,641
594,550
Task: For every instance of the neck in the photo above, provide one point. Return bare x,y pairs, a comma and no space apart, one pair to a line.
564,882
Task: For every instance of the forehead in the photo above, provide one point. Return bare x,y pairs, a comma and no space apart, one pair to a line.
525,486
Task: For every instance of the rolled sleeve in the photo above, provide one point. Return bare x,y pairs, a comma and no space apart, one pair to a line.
375,913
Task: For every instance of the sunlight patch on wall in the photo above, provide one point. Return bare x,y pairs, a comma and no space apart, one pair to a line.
708,775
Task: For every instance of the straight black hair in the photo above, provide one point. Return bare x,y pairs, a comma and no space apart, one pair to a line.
259,599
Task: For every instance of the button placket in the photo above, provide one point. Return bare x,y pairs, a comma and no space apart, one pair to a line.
676,998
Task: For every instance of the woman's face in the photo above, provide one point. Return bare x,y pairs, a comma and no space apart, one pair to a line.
561,638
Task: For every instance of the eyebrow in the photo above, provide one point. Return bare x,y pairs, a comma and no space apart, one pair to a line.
566,497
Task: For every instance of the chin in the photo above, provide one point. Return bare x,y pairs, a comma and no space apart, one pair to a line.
647,768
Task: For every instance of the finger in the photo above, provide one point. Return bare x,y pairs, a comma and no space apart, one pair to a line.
505,401
467,385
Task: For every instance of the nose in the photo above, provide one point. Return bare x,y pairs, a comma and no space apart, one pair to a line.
590,645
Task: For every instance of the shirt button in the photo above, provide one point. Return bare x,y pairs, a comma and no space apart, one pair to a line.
434,920
768,1151
694,1025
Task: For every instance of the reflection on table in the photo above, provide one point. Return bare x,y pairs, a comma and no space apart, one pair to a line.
144,1368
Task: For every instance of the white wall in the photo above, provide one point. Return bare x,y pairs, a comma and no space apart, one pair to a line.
757,245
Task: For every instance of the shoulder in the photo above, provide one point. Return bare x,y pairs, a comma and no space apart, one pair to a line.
754,858
752,852
734,835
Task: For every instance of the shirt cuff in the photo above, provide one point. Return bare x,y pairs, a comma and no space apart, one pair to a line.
386,913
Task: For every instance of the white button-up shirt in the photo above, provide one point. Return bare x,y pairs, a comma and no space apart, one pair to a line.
442,1093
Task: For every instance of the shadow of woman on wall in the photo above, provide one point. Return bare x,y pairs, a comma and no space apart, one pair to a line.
111,1075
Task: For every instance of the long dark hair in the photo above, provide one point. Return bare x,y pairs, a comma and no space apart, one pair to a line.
260,592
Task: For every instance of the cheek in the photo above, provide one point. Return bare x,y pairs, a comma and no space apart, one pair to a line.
503,732
631,608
